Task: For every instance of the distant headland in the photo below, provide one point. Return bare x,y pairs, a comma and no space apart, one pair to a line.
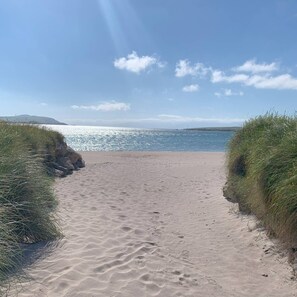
29,119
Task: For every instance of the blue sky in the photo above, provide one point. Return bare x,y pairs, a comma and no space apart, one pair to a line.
148,63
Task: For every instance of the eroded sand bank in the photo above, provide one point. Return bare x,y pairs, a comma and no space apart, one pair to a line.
156,224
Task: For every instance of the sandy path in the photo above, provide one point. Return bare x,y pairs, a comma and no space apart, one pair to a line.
156,224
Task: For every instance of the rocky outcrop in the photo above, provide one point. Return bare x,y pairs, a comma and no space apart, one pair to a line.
66,160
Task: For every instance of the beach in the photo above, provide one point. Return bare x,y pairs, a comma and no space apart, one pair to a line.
155,224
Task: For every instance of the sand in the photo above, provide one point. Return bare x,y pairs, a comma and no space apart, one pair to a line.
156,224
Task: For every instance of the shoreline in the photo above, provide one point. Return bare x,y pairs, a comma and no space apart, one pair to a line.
156,224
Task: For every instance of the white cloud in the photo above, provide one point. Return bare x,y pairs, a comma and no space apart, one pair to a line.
137,64
250,73
228,92
255,75
279,82
191,88
169,116
161,64
43,104
219,76
105,106
253,67
183,68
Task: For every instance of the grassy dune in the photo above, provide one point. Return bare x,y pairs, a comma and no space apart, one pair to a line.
26,196
262,173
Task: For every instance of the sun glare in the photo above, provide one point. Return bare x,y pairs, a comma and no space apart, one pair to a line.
121,17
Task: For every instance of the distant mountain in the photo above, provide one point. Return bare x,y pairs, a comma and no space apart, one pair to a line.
28,119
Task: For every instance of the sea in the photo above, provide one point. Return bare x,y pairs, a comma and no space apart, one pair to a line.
94,138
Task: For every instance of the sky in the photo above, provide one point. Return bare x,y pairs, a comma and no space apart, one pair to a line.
148,63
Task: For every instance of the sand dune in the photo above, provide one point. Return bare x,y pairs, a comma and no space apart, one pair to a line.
155,224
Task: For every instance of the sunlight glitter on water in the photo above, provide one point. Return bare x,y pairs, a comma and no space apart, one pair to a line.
94,138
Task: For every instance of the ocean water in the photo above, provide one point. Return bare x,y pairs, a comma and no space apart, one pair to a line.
90,138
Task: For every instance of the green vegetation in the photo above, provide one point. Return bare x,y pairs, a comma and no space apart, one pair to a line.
26,196
262,173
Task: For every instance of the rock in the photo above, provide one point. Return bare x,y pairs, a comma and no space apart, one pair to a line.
75,158
72,155
59,173
59,167
80,163
64,161
61,149
252,225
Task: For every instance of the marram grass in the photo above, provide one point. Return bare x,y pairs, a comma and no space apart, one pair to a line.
262,172
26,197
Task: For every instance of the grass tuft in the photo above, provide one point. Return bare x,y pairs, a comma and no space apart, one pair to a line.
262,172
26,196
